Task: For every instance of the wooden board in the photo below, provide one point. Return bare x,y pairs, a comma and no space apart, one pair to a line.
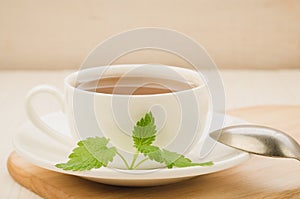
258,177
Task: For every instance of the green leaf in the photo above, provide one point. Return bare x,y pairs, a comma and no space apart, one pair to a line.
152,152
90,153
170,159
173,159
144,131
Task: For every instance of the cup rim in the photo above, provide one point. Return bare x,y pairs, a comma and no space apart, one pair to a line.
202,84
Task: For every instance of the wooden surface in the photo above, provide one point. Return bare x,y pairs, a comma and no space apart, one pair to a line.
59,34
258,177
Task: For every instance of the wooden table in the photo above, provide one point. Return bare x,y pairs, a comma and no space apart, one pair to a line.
259,177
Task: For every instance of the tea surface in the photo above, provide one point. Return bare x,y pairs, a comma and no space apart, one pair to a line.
134,85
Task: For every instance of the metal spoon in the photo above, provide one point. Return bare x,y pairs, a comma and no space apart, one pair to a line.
258,140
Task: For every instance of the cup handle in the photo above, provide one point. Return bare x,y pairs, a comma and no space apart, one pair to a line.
35,118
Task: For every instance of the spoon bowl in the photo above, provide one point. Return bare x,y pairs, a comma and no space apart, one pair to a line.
259,140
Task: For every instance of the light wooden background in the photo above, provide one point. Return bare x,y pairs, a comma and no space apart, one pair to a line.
58,34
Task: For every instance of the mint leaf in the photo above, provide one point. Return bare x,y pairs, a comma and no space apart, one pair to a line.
152,152
144,131
173,159
90,153
98,148
170,159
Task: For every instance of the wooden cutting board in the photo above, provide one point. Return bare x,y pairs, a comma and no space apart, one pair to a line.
258,177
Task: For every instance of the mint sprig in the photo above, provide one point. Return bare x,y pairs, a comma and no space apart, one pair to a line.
93,153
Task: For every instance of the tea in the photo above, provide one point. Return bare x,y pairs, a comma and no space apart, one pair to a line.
129,85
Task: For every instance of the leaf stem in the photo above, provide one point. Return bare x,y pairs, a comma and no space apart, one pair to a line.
141,162
124,160
134,160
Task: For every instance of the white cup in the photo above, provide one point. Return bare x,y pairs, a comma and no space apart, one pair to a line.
182,118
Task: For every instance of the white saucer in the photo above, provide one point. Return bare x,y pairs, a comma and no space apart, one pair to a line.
43,151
